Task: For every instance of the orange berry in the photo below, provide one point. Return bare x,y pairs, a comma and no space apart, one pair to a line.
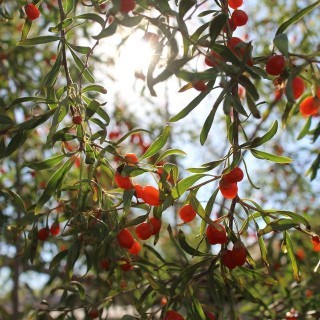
136,248
139,190
316,243
150,195
235,175
300,254
144,230
32,11
187,213
275,65
228,190
156,225
127,5
234,4
239,18
215,235
297,87
310,106
122,182
131,158
125,238
43,234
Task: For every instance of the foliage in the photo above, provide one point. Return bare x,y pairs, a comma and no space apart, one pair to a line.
85,156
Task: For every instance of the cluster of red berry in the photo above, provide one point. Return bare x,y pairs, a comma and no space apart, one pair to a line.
228,183
44,233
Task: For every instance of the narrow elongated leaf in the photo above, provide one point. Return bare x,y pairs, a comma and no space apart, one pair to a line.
92,108
157,144
168,153
256,142
253,274
282,43
28,99
16,142
53,184
186,247
292,256
278,225
93,17
37,40
95,87
297,17
26,28
61,26
16,198
185,6
201,212
269,156
45,164
52,75
107,32
304,131
216,25
80,49
80,65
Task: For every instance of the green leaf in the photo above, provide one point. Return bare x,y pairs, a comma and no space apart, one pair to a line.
185,6
252,107
16,198
278,225
92,108
93,17
271,157
186,247
263,250
61,26
107,32
57,258
73,254
250,87
305,128
52,75
168,153
201,212
26,28
294,216
260,277
282,43
37,40
208,123
96,88
292,257
56,180
69,6
157,144
206,167
28,99
80,49
45,164
137,220
216,25
129,22
83,69
16,142
130,133
297,17
256,142
81,290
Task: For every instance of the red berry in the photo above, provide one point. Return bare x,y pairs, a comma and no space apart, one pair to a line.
122,182
136,248
150,195
173,315
43,234
200,85
213,59
239,253
275,65
235,175
156,225
104,264
144,230
297,87
131,158
77,119
126,266
234,4
125,238
32,11
316,243
210,316
228,190
187,213
127,5
227,259
216,235
93,313
310,106
55,229
239,18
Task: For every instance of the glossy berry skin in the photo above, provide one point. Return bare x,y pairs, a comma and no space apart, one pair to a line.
213,59
55,229
235,4
187,213
316,243
156,225
77,120
297,87
43,234
215,235
239,253
125,238
150,195
131,158
210,316
235,175
228,190
136,248
127,5
310,106
122,182
275,65
239,18
144,230
227,259
173,315
32,11
200,85
139,190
